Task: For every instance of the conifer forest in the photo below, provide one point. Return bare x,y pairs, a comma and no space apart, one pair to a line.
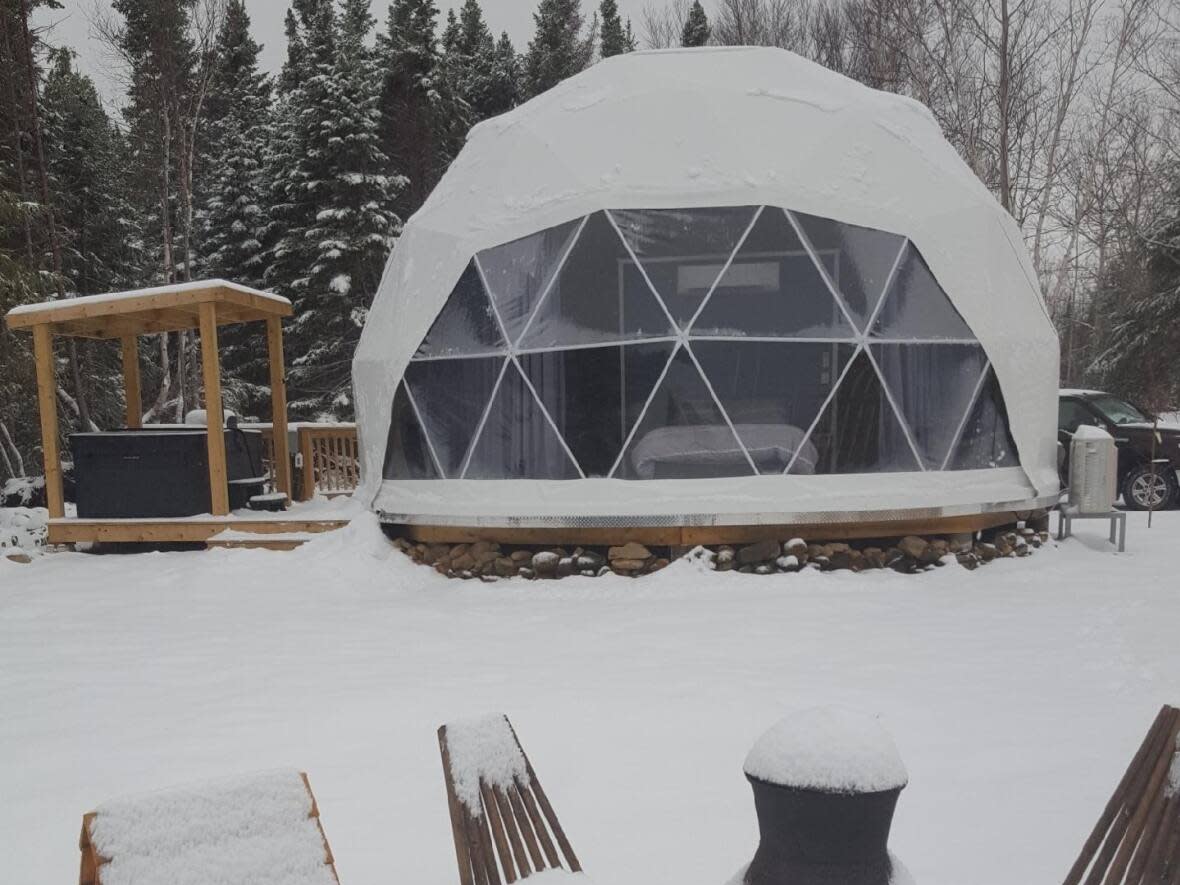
298,181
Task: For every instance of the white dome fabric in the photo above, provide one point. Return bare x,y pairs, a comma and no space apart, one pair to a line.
688,129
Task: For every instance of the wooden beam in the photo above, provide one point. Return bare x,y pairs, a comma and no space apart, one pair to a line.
307,454
278,406
146,322
259,543
132,305
183,530
132,394
215,428
47,405
690,536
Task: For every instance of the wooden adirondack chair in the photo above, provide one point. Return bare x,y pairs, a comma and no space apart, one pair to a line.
1137,839
210,798
497,805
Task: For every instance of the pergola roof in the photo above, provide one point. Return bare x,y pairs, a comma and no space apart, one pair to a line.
144,311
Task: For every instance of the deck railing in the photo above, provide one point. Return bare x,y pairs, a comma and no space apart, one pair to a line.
326,458
330,458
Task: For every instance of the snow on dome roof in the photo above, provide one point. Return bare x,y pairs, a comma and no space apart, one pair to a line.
708,128
830,749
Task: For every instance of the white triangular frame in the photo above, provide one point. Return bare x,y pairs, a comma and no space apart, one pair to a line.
683,337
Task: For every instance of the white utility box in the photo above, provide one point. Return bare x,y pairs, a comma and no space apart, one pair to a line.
1093,471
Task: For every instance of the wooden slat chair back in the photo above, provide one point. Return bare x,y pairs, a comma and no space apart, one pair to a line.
1137,838
211,795
503,824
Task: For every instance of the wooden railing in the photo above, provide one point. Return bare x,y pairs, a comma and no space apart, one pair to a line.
330,459
326,458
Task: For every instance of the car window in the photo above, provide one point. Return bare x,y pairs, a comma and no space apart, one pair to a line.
1071,414
1117,411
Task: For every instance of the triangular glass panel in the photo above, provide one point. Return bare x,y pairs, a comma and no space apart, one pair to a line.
916,307
517,273
407,454
986,440
466,326
599,296
857,259
772,289
452,396
595,394
517,442
932,385
683,434
772,391
683,250
858,432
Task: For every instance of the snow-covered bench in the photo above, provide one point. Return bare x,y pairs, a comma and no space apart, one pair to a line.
497,805
258,829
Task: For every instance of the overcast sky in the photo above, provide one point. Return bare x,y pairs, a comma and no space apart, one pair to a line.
72,27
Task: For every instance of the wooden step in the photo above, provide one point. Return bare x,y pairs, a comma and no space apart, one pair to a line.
262,542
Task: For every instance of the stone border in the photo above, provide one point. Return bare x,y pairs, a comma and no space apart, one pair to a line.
489,561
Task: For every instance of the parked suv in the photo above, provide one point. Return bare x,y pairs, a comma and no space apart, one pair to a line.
1131,427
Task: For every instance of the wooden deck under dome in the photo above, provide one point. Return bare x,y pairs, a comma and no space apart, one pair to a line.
692,535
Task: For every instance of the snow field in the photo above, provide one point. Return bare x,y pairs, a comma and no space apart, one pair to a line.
1016,695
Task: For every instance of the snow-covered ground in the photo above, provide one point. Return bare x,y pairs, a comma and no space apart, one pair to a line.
1016,695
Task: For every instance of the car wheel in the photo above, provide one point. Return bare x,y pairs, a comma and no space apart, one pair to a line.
1145,490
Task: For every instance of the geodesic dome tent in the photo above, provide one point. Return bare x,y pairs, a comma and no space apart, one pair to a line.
715,286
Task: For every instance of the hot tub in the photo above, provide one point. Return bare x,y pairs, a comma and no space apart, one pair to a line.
160,473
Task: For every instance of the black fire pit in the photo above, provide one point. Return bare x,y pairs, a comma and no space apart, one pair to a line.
826,784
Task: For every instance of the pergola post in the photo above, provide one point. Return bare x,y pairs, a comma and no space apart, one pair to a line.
215,427
278,406
131,388
47,406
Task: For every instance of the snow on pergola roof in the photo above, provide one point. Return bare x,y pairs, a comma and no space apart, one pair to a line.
719,127
155,309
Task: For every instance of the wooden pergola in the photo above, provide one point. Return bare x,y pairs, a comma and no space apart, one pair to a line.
202,305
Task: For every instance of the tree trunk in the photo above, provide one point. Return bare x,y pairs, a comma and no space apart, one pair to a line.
17,142
166,384
1005,86
50,215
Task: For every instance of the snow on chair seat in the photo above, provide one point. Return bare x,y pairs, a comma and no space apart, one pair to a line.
256,829
1137,838
497,805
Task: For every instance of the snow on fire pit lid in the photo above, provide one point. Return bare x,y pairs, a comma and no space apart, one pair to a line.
831,749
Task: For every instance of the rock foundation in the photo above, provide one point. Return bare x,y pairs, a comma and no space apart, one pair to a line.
488,561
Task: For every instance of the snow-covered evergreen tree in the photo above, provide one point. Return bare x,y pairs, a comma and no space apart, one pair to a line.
423,119
614,38
484,74
450,34
558,48
232,217
101,243
696,26
1142,300
293,168
507,86
332,219
87,159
